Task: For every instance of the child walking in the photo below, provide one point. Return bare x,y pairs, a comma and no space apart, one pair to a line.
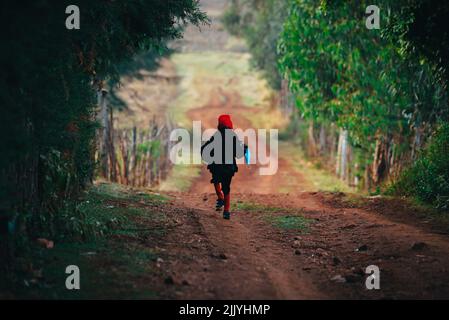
220,153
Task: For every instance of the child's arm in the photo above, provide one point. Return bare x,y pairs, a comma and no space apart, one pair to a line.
247,154
239,148
206,144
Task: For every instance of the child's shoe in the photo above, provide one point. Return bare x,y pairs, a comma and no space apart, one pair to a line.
220,203
226,215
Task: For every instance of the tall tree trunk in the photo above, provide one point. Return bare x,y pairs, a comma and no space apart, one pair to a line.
344,156
341,161
356,175
338,157
312,143
148,162
333,145
111,148
417,142
104,152
322,140
349,161
380,163
367,178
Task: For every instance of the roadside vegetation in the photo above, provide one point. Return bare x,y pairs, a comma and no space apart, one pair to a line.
427,179
364,104
52,80
111,235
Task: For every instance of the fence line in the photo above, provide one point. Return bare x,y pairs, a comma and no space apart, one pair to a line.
136,156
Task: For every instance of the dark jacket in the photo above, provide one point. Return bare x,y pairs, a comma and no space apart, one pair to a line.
222,140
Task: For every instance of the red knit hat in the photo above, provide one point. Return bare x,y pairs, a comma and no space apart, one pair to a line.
224,121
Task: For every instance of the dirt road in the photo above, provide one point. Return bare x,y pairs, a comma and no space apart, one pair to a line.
265,251
248,179
250,257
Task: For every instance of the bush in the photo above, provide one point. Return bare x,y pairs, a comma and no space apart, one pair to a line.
231,20
428,178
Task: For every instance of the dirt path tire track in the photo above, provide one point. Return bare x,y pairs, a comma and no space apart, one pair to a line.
239,260
247,258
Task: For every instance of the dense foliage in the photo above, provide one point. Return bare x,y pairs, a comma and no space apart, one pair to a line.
348,74
50,76
383,90
260,23
427,179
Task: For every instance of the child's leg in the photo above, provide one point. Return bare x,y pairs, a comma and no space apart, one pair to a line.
218,191
227,193
227,200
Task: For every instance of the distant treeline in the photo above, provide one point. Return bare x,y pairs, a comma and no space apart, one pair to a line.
50,80
372,104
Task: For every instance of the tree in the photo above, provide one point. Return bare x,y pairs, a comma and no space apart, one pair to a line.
260,24
50,76
359,79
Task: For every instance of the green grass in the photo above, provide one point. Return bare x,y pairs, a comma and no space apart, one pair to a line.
119,192
111,209
254,207
180,178
318,179
290,221
110,241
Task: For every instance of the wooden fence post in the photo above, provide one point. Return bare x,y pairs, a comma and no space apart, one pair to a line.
133,161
